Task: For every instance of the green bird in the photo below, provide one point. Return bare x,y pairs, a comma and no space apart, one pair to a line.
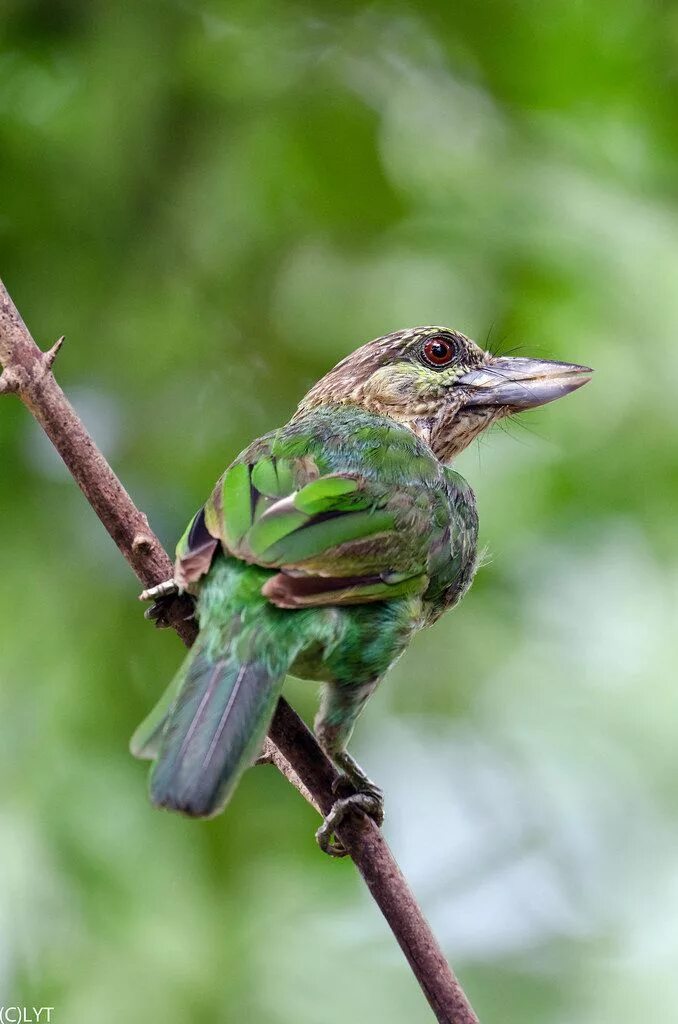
324,547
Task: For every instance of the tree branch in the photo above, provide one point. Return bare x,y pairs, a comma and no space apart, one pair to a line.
291,746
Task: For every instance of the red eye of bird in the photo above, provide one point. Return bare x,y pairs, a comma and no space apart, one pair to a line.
438,351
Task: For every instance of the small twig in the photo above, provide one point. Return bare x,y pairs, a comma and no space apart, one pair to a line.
49,356
291,746
272,755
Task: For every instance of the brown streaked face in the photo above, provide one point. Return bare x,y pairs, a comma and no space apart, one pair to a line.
442,385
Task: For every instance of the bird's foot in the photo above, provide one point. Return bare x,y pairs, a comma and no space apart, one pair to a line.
369,799
163,597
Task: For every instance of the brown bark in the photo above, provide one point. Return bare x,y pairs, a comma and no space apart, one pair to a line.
291,746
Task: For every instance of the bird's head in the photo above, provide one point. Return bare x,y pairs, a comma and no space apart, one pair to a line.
442,385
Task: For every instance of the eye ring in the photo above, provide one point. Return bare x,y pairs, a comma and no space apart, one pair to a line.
438,352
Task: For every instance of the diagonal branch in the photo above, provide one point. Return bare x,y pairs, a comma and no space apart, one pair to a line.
27,371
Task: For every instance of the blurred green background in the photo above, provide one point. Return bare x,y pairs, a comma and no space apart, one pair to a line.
214,202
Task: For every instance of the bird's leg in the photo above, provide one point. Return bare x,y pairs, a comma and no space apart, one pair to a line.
339,709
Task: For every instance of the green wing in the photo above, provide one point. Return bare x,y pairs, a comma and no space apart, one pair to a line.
335,538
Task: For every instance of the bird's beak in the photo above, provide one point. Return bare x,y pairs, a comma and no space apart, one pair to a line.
522,383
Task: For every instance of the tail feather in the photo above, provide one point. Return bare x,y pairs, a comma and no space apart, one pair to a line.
210,724
145,743
214,729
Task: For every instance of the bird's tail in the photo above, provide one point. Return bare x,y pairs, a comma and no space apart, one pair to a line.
211,723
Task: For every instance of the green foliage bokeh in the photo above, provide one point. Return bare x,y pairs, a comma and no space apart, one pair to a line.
214,202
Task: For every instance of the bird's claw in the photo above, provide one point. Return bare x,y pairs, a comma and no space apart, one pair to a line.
342,786
164,597
157,613
369,801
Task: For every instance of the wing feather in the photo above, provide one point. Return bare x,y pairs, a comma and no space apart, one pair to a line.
336,538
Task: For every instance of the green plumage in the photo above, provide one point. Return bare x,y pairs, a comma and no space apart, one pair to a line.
323,548
326,554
